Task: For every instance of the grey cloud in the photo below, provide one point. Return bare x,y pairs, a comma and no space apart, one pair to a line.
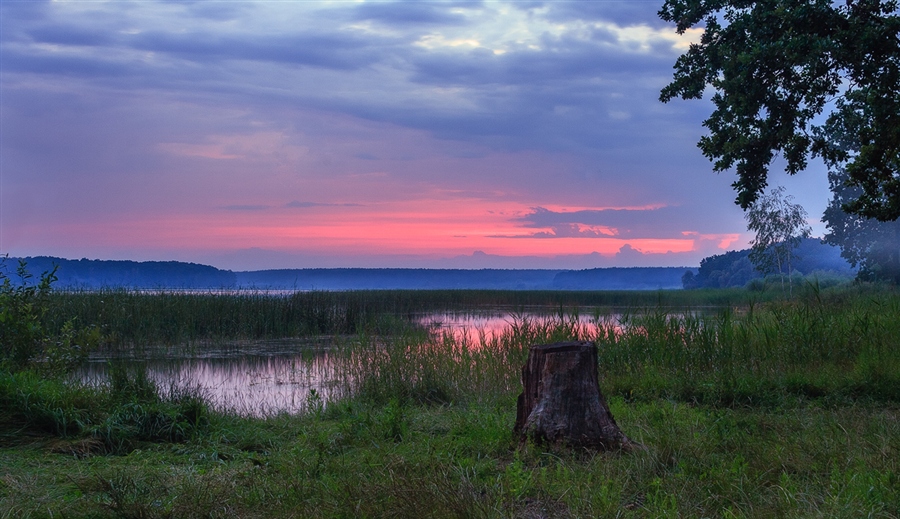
219,11
541,217
14,13
663,222
620,12
561,231
561,61
17,61
522,115
248,207
68,35
302,205
628,255
337,51
412,13
557,99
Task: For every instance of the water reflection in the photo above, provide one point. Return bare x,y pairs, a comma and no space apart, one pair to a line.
266,377
248,378
479,326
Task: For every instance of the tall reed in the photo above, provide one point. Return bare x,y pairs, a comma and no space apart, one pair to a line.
141,318
837,345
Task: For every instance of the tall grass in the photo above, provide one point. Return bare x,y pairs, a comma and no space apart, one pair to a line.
133,318
839,345
138,318
112,418
776,409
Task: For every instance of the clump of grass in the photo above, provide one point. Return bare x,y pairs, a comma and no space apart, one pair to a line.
121,415
30,402
142,412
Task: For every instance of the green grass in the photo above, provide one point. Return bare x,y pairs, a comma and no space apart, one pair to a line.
130,318
460,461
779,409
111,419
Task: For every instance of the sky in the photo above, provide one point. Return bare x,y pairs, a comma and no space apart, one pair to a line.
295,134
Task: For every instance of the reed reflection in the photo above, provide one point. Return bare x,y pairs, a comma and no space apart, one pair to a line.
260,378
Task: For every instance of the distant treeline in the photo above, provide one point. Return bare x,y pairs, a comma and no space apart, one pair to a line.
400,278
486,279
92,274
734,269
85,273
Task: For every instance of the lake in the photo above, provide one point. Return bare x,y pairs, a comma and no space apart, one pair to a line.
267,377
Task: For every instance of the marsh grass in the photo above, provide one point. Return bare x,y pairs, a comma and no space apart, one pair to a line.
111,418
835,347
779,409
839,346
137,319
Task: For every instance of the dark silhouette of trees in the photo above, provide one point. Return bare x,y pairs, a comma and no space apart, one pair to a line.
775,66
871,245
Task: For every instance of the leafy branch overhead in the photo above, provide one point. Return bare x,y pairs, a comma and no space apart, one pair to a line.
775,67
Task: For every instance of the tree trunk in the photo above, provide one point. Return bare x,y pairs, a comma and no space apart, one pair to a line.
561,402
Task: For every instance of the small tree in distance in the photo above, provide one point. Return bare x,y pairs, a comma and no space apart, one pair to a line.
779,225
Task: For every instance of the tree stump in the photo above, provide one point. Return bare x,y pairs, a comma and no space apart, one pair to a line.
561,402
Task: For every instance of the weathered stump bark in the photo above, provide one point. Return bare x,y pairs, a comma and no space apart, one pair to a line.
561,402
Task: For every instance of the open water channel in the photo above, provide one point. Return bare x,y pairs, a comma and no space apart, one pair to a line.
267,377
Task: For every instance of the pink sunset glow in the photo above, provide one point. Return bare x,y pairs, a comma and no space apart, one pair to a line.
388,134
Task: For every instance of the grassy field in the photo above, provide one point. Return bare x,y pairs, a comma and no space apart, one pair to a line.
764,408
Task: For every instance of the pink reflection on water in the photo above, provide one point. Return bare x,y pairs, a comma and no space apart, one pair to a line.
255,383
260,378
477,328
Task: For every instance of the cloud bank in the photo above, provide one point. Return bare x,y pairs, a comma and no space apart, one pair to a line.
368,132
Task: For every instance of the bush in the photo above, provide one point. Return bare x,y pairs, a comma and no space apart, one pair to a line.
25,342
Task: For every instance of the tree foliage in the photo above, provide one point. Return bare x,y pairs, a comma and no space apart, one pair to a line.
25,342
734,268
775,66
780,225
869,243
872,245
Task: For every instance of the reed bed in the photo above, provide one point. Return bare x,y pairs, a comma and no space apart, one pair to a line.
846,347
783,408
132,318
838,345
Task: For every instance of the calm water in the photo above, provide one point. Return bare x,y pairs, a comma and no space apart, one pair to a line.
267,377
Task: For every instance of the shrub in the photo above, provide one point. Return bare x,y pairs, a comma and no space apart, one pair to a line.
25,342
